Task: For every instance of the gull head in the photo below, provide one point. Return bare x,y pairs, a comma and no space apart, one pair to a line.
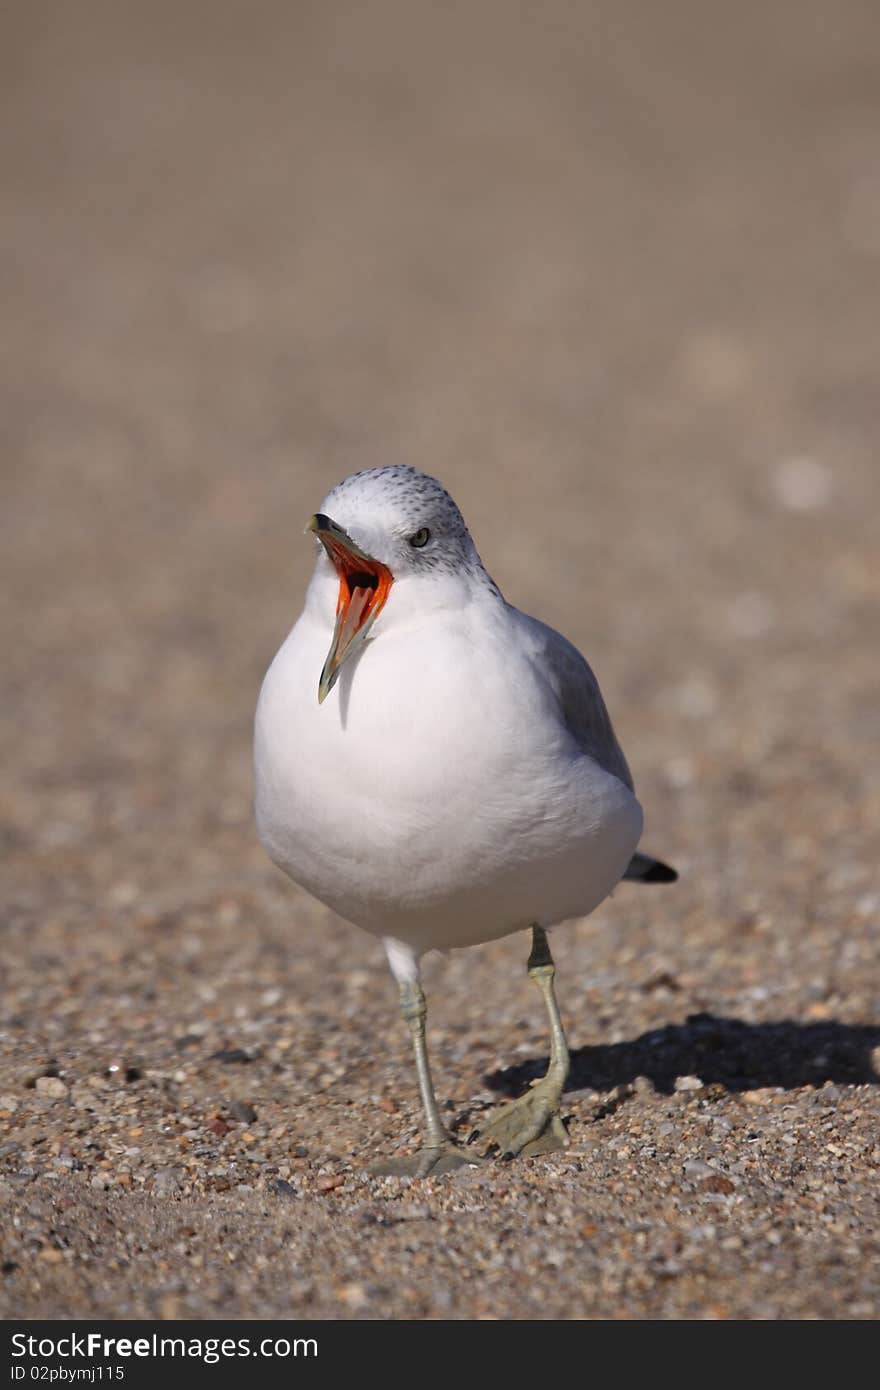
393,536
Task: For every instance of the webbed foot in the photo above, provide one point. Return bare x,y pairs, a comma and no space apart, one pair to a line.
530,1125
428,1162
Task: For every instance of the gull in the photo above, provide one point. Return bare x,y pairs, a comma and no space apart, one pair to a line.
439,768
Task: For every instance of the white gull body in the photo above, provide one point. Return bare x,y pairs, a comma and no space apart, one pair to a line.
461,781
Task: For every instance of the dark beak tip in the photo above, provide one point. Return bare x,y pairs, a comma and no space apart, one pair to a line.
318,524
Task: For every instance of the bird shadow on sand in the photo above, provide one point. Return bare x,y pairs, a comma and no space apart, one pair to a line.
726,1052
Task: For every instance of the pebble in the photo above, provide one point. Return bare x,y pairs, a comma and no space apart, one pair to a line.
51,1087
719,1184
167,1181
697,1168
354,1295
282,1188
244,1111
762,1096
688,1083
231,1056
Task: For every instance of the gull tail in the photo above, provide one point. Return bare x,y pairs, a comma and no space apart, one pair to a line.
643,869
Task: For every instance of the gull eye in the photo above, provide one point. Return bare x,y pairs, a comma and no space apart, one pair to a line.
420,538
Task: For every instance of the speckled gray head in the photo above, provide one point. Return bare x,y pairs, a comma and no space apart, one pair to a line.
388,511
384,530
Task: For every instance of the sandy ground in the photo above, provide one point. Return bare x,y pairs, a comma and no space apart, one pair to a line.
610,270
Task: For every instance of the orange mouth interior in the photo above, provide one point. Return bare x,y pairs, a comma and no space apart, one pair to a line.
364,586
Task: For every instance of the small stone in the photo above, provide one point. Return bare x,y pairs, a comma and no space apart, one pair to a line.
167,1181
697,1168
51,1254
9,1103
718,1183
244,1111
763,1096
354,1295
830,1094
688,1083
330,1183
231,1056
819,1011
51,1087
23,1175
661,979
716,1090
281,1188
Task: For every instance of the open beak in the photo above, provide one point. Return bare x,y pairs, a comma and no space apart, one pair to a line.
364,585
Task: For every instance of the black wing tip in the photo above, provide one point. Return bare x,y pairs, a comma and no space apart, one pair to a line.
660,873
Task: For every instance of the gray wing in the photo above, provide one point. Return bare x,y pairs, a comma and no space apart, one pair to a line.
579,696
584,712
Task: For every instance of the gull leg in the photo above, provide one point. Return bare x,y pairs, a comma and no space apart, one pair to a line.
532,1124
439,1154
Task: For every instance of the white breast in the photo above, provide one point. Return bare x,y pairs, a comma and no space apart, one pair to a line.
436,796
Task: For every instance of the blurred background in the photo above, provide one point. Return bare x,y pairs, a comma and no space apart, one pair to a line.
609,270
